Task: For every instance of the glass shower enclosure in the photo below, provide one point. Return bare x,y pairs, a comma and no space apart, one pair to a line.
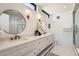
76,27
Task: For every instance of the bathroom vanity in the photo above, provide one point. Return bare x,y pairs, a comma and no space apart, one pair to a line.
26,46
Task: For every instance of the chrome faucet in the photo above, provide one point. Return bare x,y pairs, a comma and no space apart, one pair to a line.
15,37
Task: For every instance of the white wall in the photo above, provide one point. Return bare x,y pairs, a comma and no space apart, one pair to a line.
65,21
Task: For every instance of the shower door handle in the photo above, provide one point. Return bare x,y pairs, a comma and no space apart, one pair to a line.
76,29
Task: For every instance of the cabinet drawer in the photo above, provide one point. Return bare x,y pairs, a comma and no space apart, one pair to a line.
34,49
39,46
18,50
34,52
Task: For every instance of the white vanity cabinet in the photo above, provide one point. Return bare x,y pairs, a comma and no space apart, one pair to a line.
31,48
42,43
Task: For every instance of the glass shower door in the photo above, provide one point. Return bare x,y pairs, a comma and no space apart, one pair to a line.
77,29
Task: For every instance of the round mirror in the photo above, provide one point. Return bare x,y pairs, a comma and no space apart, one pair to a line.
15,21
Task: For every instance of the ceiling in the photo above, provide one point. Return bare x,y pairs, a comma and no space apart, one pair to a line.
57,7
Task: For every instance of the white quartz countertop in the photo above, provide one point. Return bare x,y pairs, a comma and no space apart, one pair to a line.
11,43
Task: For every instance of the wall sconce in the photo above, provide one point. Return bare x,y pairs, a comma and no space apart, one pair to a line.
28,14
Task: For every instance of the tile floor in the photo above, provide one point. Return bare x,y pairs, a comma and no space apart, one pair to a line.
61,50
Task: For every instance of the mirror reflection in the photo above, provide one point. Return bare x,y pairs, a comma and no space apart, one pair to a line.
15,22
